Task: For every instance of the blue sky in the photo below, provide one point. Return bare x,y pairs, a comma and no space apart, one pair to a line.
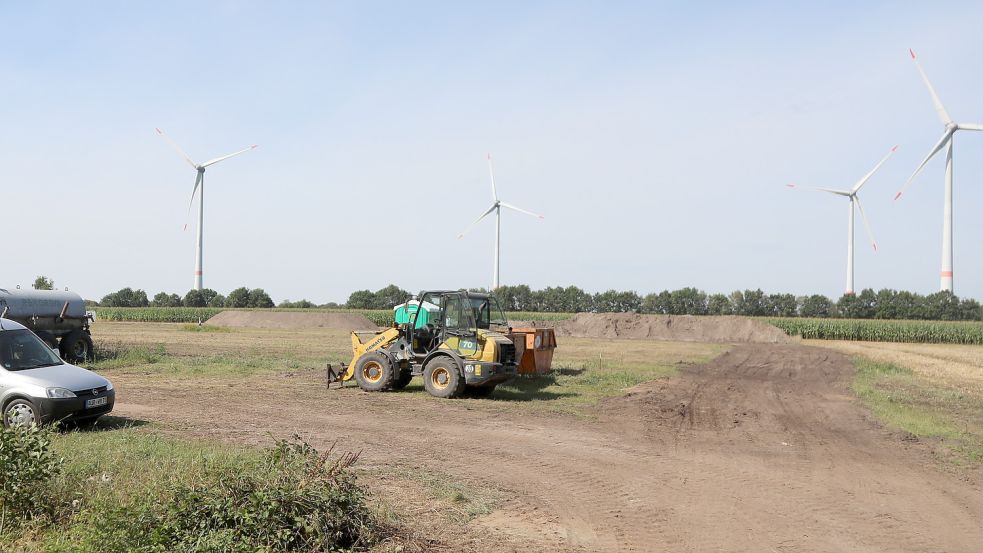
655,137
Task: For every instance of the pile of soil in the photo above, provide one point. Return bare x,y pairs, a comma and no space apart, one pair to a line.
292,319
681,328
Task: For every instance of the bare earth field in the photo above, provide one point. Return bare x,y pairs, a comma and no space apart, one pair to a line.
761,449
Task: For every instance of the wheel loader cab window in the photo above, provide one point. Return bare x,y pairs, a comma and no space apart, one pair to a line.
487,312
453,314
22,350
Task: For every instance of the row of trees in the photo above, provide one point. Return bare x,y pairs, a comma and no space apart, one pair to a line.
240,297
868,304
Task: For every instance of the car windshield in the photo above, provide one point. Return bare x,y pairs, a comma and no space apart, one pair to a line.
21,350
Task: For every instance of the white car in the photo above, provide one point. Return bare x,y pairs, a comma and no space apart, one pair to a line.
37,387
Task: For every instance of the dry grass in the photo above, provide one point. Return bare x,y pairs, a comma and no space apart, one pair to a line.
953,366
932,391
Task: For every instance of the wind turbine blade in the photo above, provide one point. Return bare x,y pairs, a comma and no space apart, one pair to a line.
520,210
970,127
814,189
866,223
482,216
491,171
233,154
192,201
939,109
941,144
177,148
863,181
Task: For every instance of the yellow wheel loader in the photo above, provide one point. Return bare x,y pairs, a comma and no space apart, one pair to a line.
456,340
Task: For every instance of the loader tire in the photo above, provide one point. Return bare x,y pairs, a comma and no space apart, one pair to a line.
403,379
374,372
442,378
76,347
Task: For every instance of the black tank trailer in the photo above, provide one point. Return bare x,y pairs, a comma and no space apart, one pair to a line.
58,317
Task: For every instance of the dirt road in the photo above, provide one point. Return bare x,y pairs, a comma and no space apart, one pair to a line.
763,449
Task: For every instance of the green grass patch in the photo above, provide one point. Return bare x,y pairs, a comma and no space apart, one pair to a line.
193,327
157,360
115,355
903,400
575,390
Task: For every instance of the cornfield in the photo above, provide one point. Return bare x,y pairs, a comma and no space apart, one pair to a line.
381,317
874,330
157,314
194,314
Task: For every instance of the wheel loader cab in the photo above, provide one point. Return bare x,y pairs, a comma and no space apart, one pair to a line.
455,327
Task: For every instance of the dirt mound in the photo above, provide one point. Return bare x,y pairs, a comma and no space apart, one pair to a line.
681,328
292,319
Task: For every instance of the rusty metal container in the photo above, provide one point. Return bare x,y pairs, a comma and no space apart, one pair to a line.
534,349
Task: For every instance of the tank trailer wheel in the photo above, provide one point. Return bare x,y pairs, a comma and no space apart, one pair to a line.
76,347
441,378
374,372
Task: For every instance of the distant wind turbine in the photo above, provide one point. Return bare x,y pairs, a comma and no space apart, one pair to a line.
945,142
200,189
854,199
496,206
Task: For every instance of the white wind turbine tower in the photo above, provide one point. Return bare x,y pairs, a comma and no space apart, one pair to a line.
200,190
854,199
945,142
496,206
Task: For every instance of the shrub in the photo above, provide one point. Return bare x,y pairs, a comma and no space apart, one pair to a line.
27,466
298,500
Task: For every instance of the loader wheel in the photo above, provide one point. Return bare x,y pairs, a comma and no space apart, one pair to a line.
403,379
76,347
442,378
374,372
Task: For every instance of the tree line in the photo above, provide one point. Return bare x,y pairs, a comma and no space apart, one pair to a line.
240,297
868,304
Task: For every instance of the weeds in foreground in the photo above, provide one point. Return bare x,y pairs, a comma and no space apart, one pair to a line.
290,498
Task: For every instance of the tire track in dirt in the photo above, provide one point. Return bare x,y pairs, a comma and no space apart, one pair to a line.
762,449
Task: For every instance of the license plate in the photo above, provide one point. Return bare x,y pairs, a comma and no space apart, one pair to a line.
97,402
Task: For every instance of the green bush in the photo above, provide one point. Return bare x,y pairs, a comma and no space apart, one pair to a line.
298,500
27,466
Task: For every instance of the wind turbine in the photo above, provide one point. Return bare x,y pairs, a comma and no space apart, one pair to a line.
854,199
496,206
200,190
945,142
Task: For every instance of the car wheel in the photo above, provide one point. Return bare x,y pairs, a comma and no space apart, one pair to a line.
20,413
374,372
76,347
441,378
